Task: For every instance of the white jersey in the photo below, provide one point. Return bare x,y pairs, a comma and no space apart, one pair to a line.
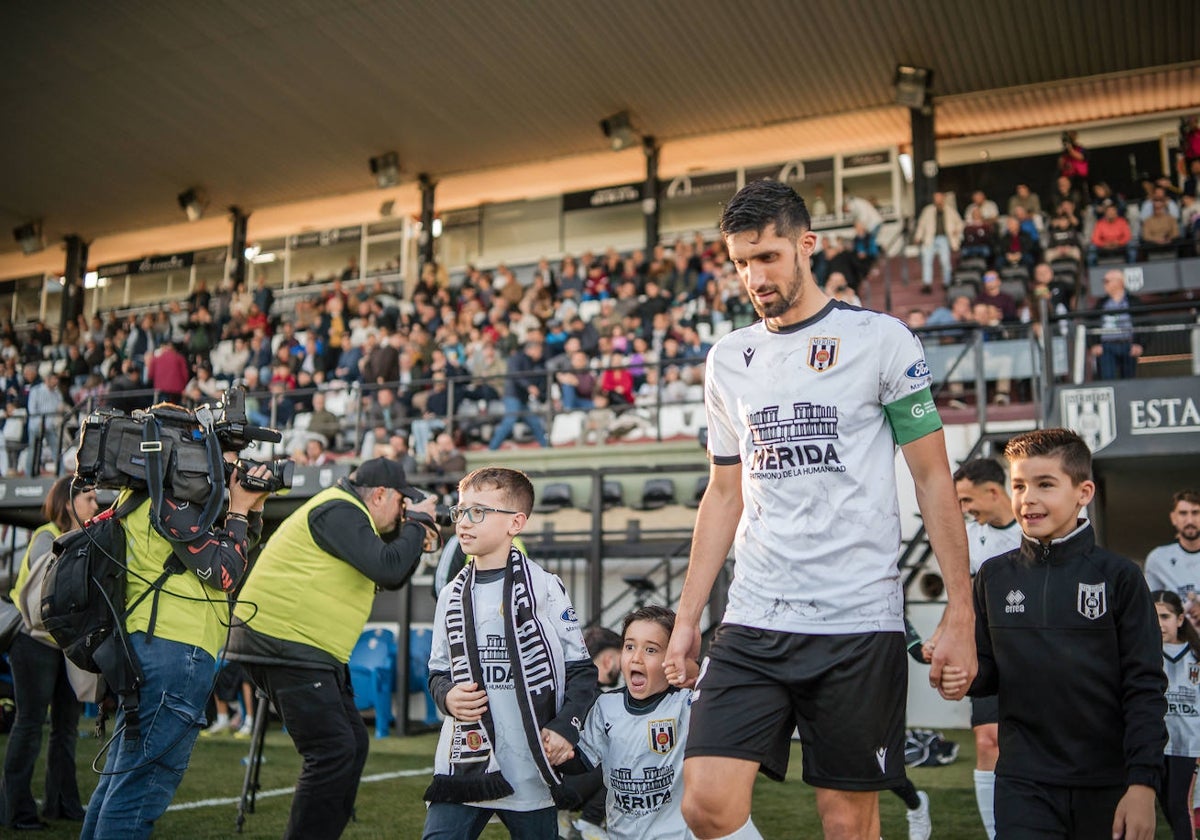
986,541
813,415
530,791
1174,568
641,751
1183,701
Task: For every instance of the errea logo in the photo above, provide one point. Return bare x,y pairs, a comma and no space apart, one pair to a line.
1016,601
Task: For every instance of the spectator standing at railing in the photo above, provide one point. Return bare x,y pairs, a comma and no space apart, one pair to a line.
524,385
168,373
1116,348
44,408
938,232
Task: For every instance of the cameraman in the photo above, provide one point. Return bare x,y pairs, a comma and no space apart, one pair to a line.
176,638
301,612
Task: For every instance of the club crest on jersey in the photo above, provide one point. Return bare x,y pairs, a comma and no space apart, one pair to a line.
1194,673
1093,602
662,735
822,352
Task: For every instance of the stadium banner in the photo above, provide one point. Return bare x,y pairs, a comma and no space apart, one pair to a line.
148,265
602,197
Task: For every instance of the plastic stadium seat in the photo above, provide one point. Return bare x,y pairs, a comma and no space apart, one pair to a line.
373,675
420,645
975,264
657,493
698,492
612,494
555,496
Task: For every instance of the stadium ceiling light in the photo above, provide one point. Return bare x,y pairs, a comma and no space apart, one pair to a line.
29,237
193,202
619,131
386,169
912,85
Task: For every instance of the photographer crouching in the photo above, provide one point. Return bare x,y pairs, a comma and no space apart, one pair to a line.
301,612
194,563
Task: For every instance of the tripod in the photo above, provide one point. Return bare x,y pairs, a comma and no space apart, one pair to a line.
251,786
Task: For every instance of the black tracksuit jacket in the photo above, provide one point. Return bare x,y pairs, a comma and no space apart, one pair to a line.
1068,637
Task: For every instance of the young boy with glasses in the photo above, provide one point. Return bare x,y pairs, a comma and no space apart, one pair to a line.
508,668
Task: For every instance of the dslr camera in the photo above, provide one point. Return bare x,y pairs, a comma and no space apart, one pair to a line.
116,449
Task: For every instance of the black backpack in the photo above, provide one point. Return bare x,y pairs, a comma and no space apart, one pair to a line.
83,603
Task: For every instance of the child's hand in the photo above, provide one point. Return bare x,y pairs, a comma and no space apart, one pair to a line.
927,652
1134,819
557,748
466,702
954,680
687,679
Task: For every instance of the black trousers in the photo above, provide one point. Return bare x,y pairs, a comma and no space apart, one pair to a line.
586,791
317,707
1028,810
1174,798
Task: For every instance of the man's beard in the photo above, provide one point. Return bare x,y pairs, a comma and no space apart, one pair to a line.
784,299
1190,532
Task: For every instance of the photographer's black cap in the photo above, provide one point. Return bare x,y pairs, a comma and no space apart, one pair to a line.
384,472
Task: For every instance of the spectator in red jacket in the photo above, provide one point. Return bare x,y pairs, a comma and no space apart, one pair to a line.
168,373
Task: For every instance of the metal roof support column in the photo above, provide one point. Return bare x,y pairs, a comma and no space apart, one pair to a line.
425,243
650,193
72,291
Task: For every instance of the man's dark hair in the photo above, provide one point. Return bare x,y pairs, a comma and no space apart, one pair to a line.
1062,444
663,617
599,639
1192,497
979,471
762,203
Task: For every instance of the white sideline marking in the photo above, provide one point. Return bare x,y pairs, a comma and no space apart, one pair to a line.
267,794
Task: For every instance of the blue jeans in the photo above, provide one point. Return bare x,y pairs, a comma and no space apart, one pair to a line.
571,401
1116,361
940,246
141,776
516,409
452,821
40,682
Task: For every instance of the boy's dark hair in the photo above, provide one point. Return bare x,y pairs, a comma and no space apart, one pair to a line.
1186,630
980,471
762,203
514,484
1063,444
599,639
1192,497
662,616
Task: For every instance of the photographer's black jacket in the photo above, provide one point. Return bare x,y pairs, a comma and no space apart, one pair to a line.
342,529
1068,637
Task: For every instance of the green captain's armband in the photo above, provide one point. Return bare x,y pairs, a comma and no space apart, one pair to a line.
912,417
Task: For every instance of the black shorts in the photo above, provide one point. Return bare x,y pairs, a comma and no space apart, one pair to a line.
846,695
228,687
985,710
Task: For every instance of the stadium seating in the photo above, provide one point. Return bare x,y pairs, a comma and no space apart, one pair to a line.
373,675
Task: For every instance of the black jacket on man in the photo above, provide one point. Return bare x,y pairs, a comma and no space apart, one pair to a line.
1068,637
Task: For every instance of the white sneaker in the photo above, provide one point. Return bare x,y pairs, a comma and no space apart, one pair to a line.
590,831
246,729
919,824
566,828
217,728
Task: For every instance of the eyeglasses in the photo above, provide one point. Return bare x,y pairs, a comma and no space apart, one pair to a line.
475,513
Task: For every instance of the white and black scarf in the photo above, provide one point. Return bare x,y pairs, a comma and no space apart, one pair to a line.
472,773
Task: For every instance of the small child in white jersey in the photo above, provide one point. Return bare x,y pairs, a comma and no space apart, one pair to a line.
637,734
1181,660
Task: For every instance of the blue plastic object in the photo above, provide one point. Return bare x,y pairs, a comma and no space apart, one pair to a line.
373,675
420,644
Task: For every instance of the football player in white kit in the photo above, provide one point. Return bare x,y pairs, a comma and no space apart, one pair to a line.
992,530
805,410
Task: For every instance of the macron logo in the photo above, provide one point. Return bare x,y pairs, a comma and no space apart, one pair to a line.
881,757
1016,601
748,354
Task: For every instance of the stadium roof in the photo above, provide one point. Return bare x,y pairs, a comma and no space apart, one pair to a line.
112,109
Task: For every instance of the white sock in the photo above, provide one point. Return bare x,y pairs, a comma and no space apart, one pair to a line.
746,832
985,798
222,718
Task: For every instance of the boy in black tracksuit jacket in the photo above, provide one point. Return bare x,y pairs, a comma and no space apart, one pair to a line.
1068,637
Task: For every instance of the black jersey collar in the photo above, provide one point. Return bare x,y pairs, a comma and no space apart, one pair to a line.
799,325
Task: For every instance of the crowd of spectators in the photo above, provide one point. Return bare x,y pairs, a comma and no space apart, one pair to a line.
354,366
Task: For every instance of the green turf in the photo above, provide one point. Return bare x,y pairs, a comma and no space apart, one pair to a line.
393,808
